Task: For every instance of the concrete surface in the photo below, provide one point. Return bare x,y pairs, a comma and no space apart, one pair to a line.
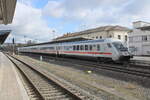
11,87
141,58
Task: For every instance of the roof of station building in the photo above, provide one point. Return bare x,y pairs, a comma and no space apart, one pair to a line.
61,41
7,9
3,35
93,30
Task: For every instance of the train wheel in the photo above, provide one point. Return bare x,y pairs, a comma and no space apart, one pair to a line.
126,64
100,60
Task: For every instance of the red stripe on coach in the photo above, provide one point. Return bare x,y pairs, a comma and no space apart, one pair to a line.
103,53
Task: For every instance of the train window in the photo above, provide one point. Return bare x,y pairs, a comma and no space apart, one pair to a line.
98,47
109,45
58,47
90,47
94,46
70,47
81,47
50,47
74,47
86,47
77,47
63,47
66,48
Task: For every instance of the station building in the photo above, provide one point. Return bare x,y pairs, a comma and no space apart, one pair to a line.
117,32
139,38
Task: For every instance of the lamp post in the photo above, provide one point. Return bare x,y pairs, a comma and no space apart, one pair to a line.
13,42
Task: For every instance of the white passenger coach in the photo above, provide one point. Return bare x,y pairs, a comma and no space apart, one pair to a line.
110,49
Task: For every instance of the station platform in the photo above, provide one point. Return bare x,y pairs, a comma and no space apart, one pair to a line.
11,87
141,58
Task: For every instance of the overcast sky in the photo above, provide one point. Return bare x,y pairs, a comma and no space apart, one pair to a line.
42,20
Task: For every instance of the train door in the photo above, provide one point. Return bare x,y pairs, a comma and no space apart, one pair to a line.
57,52
94,50
108,50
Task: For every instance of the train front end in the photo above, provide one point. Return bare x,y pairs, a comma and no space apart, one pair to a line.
122,52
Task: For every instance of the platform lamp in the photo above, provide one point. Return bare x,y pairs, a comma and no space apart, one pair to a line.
53,31
13,43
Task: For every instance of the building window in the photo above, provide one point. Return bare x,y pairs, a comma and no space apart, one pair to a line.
110,36
96,37
144,38
126,38
119,36
100,37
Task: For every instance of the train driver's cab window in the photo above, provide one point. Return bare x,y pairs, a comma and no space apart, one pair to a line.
109,45
119,46
98,47
86,47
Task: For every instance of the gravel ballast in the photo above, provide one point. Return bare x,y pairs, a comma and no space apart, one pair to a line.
99,85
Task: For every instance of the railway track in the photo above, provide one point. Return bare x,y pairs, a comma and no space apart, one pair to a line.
132,69
140,64
42,87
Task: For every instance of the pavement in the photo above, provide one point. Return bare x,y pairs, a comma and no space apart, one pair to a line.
11,87
141,58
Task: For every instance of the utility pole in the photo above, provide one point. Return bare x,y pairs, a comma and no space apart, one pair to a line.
24,39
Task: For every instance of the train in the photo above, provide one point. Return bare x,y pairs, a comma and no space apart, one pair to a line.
102,50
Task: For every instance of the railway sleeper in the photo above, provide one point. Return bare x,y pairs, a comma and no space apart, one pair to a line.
56,97
44,89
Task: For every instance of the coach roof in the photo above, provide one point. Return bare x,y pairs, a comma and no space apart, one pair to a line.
91,41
